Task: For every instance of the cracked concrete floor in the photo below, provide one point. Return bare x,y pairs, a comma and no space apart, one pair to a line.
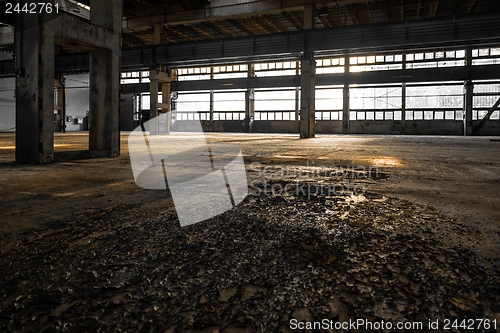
458,175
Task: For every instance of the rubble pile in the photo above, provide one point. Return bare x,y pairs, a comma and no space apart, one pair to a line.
252,269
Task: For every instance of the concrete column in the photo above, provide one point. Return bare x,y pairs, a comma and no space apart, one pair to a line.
308,95
104,104
61,101
153,102
34,90
106,14
249,102
158,34
105,68
297,98
309,16
403,101
468,100
468,96
403,108
165,92
346,103
211,123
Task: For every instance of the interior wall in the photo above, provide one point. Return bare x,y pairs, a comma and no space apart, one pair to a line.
127,112
7,105
77,102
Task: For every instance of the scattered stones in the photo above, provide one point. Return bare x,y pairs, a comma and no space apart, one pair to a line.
252,269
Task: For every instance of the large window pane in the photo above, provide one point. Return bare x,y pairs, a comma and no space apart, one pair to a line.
274,100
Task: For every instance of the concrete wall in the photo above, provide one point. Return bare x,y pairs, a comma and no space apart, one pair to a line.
435,127
391,127
328,126
186,126
232,126
275,126
77,101
491,128
127,113
7,105
375,127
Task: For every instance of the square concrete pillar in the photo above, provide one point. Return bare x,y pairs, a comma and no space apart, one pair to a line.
35,40
346,106
309,16
34,90
156,77
104,135
249,110
468,100
212,101
153,104
105,68
308,95
165,105
468,95
249,102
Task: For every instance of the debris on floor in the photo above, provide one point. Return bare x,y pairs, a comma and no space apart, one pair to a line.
273,258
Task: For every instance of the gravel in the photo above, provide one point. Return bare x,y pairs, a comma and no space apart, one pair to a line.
306,256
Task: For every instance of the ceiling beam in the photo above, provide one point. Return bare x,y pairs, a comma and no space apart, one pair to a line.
241,27
293,20
180,34
133,39
271,24
331,41
469,6
368,13
354,15
224,9
200,32
433,8
325,22
220,29
333,18
258,25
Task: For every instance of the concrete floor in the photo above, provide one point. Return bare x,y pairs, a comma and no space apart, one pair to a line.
458,175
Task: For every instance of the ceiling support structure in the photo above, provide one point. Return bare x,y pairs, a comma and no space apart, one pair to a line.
309,16
226,9
425,33
158,31
460,31
35,42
